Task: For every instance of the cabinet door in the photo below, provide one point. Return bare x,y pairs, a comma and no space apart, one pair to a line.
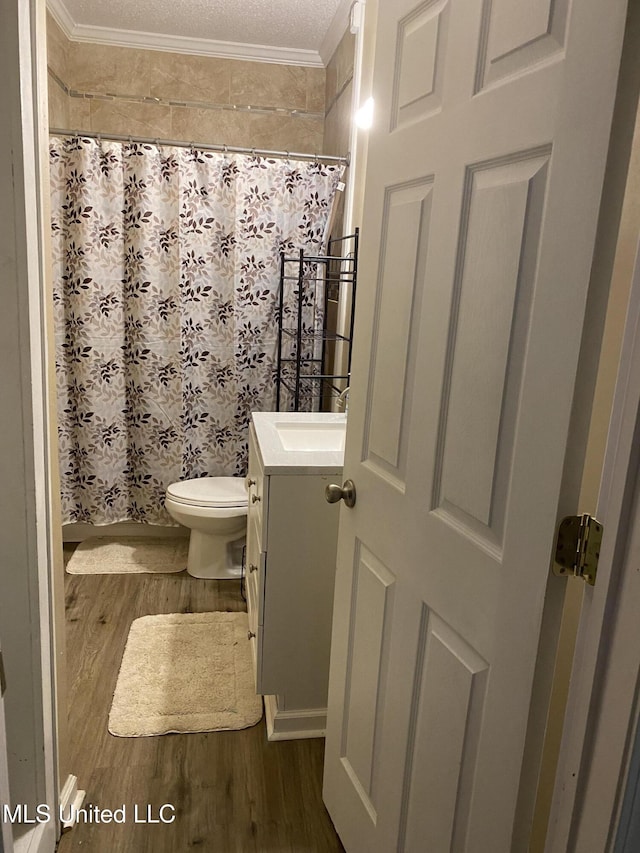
299,575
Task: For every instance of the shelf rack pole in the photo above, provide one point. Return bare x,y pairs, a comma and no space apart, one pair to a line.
299,347
326,267
356,238
279,353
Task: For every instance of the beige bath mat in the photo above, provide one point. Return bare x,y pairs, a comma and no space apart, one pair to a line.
185,672
108,555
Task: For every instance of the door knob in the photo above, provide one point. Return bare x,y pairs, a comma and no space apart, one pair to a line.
347,493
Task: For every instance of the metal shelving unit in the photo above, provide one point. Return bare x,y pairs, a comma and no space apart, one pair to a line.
309,347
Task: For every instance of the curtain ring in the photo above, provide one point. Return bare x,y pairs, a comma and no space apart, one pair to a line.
253,152
130,140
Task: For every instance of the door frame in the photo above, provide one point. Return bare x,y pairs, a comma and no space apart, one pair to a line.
6,836
25,523
602,706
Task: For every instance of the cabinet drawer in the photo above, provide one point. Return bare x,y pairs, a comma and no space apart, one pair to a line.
254,657
255,591
257,631
258,489
255,571
252,601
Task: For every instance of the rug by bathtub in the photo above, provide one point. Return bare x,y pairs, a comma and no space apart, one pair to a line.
110,555
185,672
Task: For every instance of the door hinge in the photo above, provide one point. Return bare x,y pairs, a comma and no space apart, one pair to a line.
3,680
578,547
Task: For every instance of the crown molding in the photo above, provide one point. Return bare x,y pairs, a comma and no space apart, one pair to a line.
61,16
337,28
180,44
202,47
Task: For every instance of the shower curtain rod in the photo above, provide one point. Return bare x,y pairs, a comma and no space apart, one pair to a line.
203,146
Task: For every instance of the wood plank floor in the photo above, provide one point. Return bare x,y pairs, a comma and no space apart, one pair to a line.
233,791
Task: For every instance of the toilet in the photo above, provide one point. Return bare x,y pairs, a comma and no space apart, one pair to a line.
215,510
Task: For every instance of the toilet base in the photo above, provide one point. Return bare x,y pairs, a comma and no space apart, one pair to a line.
211,556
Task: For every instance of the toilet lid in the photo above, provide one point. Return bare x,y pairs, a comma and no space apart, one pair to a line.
210,491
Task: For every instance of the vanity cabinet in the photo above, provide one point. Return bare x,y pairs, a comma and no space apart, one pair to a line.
290,573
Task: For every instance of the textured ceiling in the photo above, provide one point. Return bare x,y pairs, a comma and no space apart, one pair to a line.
300,24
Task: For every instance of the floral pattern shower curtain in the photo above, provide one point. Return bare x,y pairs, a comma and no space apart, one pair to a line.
166,270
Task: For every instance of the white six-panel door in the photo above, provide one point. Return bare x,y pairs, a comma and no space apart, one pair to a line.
484,176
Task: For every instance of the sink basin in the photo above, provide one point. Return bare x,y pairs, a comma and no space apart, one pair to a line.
311,436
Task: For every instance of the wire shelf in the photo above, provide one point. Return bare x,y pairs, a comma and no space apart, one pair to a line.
314,335
309,347
307,391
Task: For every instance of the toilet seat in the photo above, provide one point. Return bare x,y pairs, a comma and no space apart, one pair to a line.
222,492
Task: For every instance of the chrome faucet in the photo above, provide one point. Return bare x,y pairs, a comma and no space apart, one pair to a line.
343,400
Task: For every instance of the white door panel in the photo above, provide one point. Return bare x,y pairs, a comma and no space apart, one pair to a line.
484,174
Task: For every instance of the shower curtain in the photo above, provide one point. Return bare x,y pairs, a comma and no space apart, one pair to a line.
166,270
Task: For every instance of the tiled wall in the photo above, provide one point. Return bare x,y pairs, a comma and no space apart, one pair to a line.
108,89
339,91
337,131
57,51
338,94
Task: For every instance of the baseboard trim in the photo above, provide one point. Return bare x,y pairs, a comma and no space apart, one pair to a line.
295,724
71,799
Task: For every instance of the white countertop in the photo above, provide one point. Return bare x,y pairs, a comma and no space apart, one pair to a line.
277,460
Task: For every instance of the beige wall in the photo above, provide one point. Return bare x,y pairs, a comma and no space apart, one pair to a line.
121,90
